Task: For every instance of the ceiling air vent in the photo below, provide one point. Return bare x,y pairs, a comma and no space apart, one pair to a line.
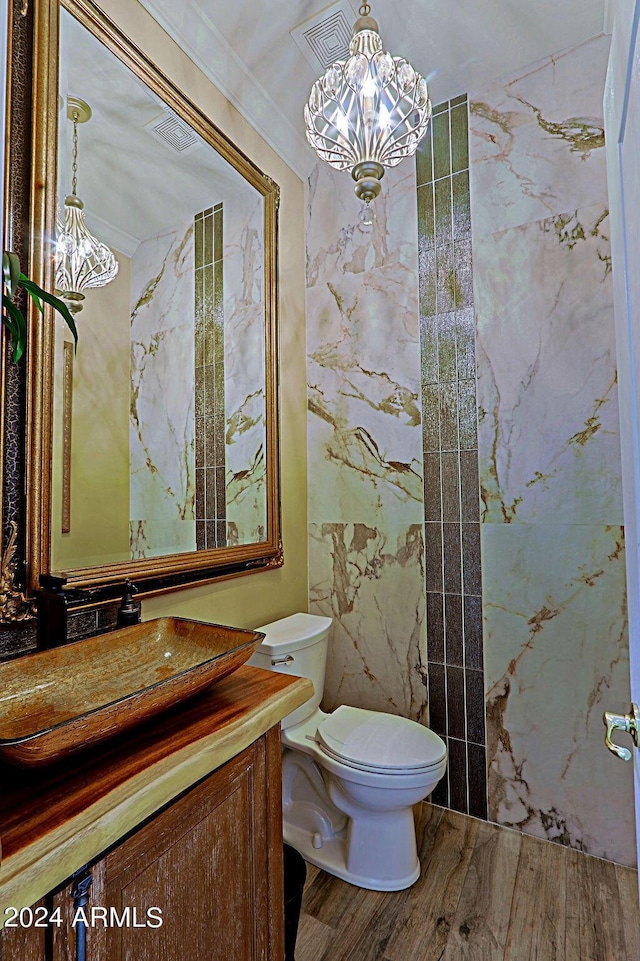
325,38
173,133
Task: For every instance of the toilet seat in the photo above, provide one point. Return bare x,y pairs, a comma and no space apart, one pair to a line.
379,743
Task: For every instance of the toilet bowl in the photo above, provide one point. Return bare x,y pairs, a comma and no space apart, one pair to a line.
349,778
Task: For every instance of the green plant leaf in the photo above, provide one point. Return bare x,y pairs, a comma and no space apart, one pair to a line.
37,293
26,283
10,272
7,319
15,323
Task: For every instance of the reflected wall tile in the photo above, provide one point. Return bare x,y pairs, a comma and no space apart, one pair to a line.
162,425
162,283
377,656
555,621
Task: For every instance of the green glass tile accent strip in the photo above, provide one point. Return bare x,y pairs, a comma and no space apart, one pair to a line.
441,145
450,457
459,139
426,216
424,159
444,232
210,497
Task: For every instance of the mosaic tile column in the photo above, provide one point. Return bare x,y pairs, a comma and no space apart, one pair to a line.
451,498
210,500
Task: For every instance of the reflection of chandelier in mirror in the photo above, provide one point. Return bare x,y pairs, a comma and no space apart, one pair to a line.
368,112
81,260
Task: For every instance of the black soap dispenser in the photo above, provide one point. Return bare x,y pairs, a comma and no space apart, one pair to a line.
129,611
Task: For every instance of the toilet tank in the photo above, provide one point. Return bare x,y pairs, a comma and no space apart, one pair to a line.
298,645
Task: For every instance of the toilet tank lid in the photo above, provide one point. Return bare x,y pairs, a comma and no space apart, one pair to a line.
295,631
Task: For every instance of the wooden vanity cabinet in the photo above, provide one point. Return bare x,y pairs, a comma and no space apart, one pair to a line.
210,863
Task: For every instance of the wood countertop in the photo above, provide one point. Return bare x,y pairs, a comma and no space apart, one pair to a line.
55,819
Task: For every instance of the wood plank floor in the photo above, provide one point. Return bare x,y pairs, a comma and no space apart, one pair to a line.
486,893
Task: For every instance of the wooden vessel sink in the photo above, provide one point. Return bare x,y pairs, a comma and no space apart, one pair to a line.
61,700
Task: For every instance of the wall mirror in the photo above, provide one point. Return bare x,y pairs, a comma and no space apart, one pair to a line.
154,446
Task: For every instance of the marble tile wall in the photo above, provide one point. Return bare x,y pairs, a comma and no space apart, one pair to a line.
451,490
162,423
210,495
244,341
552,540
365,508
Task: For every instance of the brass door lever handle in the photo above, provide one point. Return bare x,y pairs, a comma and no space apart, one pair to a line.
622,722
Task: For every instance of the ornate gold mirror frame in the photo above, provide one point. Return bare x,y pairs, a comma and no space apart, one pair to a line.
26,439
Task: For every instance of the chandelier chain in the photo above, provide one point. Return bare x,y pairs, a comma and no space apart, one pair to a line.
74,165
365,9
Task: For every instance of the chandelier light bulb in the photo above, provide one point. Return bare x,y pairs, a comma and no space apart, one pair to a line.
368,112
81,261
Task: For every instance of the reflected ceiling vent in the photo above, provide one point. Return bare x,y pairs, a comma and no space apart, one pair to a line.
174,133
325,38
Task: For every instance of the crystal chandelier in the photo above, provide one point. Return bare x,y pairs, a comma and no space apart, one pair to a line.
368,112
81,261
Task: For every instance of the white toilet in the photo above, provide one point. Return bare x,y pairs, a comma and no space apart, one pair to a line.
350,778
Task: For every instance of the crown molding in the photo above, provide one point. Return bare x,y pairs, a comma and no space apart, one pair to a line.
193,31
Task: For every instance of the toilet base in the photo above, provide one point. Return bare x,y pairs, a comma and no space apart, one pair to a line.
331,857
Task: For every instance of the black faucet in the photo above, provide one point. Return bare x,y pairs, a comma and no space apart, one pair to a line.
51,602
129,611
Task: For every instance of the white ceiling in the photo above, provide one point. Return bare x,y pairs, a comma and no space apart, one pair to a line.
246,49
133,185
